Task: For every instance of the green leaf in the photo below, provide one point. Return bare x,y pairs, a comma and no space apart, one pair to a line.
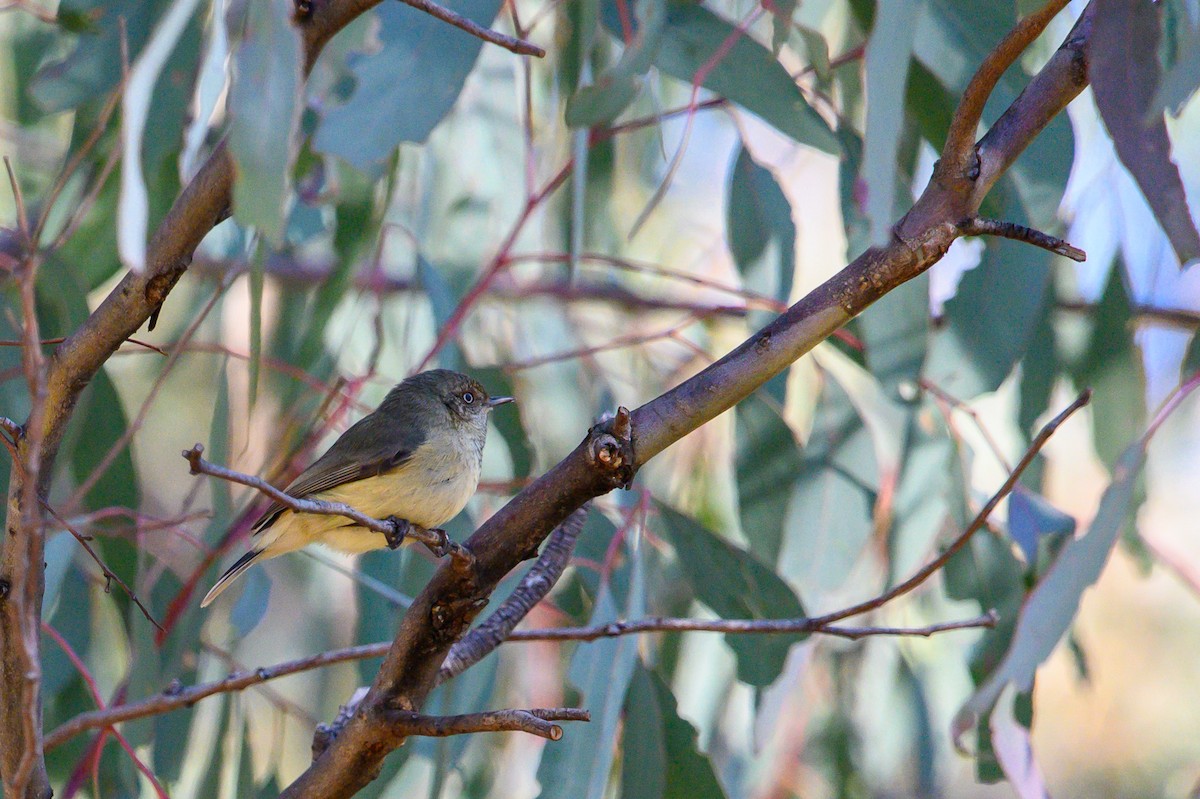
264,104
1182,74
1124,70
1191,358
991,320
697,43
101,414
578,766
1051,606
736,585
767,463
615,88
93,67
644,752
1112,367
887,59
762,236
895,332
829,517
251,605
662,759
407,87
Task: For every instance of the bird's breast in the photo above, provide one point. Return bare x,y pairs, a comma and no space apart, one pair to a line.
428,489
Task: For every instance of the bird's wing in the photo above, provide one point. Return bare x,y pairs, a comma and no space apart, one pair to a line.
367,449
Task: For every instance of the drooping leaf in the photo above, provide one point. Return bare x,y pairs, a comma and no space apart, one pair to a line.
1052,604
1181,76
93,67
578,766
615,88
736,585
762,236
443,302
265,105
1112,367
829,517
662,759
1124,70
887,59
407,87
698,43
767,463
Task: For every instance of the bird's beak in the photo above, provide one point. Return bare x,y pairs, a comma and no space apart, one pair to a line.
494,401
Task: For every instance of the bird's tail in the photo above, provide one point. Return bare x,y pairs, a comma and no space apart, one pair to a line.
234,571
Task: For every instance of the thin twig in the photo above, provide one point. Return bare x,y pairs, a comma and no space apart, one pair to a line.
61,339
18,201
176,696
321,507
743,626
976,524
518,46
978,226
109,574
533,588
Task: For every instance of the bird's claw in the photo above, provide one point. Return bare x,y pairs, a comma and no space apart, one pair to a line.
398,530
442,547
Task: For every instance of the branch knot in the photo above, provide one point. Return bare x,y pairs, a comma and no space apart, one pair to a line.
611,449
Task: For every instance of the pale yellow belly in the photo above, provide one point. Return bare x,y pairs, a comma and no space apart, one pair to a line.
427,492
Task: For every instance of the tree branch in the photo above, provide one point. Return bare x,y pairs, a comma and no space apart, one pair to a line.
979,226
443,611
498,627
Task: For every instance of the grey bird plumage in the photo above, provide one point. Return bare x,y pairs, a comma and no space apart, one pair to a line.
416,457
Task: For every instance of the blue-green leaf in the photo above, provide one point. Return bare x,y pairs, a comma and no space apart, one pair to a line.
696,42
1051,606
408,86
736,585
265,104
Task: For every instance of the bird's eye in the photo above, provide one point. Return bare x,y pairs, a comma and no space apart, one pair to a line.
468,397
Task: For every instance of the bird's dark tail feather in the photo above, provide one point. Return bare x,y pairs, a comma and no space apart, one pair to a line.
234,571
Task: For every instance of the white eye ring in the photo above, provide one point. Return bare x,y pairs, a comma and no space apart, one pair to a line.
468,397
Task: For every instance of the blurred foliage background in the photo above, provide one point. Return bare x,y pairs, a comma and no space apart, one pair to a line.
583,231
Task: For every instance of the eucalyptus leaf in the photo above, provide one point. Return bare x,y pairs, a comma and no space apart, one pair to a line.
265,104
407,87
736,585
695,46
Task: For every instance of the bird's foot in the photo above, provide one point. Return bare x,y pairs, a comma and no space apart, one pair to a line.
398,530
442,546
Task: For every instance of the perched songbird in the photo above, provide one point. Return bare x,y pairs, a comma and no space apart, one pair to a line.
417,458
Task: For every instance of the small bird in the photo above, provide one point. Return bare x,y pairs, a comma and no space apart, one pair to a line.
416,457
